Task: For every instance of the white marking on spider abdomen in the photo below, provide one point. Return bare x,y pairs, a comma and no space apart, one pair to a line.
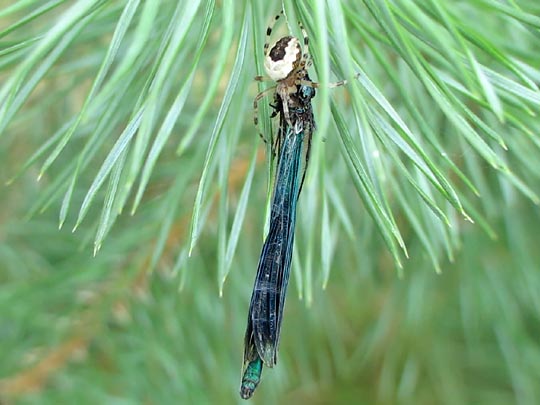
282,58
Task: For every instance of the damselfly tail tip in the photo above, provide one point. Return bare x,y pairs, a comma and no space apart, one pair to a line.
251,378
246,391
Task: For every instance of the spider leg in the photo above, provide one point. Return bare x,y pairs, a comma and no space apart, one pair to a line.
256,109
285,101
316,85
306,57
262,79
269,32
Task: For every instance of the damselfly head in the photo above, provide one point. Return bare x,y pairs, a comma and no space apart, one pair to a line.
283,58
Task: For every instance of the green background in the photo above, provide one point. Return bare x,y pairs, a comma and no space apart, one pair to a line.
415,275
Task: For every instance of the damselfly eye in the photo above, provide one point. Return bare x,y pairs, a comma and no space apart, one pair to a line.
306,93
283,58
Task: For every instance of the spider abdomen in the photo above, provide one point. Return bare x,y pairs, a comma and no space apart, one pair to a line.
283,58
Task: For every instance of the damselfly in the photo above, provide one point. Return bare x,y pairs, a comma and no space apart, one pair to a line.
268,298
287,65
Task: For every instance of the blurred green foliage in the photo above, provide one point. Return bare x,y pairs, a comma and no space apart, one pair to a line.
415,277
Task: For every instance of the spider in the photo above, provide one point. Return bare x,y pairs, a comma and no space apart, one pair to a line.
286,64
